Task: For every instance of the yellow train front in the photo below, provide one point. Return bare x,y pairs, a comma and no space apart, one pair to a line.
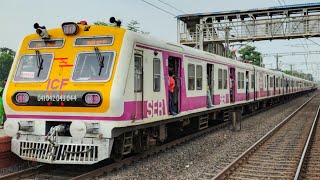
59,88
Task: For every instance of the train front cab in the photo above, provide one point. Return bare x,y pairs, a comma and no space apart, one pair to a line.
53,107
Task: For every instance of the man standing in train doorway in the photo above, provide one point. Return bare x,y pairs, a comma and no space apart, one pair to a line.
172,85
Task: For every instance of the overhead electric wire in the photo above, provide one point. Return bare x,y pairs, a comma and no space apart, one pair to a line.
306,56
172,7
158,8
314,42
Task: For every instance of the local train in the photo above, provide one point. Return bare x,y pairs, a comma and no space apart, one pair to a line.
80,94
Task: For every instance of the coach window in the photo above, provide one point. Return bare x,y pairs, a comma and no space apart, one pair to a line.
156,75
265,81
191,78
225,79
242,80
199,77
252,81
137,73
219,78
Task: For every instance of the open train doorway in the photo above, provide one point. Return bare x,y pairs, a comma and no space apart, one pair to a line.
274,85
268,93
174,65
232,84
210,81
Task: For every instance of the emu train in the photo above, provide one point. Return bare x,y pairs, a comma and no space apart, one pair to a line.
83,93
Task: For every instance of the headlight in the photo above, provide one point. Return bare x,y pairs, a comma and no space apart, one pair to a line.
79,129
70,28
11,127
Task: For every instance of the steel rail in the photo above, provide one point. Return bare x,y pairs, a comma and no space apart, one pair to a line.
110,167
222,174
306,147
20,174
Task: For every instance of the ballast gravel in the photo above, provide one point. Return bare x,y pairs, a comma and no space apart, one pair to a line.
202,157
205,156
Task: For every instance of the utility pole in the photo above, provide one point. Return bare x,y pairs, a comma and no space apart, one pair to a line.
291,69
227,33
277,59
226,39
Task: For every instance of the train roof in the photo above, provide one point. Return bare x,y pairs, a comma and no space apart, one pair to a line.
156,42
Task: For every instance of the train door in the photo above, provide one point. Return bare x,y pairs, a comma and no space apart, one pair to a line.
174,64
232,84
210,81
274,85
280,85
287,85
138,84
267,82
247,85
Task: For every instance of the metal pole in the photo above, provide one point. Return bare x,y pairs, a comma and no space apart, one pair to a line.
277,59
201,35
227,32
291,69
178,30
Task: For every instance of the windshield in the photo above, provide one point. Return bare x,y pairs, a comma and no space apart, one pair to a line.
28,68
89,68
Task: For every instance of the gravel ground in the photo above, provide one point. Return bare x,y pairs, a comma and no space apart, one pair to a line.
19,167
205,156
202,157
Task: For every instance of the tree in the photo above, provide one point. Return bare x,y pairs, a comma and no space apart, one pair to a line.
6,59
299,74
249,53
133,25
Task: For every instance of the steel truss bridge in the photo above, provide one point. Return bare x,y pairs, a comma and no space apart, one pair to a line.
208,31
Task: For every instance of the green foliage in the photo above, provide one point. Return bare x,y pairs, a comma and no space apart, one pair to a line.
101,23
249,53
6,59
132,26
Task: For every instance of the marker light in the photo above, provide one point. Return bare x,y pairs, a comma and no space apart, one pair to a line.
22,98
70,28
83,23
92,98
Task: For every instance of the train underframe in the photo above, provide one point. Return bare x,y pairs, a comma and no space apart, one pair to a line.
138,139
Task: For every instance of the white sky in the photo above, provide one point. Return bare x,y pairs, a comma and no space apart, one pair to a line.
18,16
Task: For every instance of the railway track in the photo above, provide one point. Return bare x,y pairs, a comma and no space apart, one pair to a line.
309,166
45,171
54,172
279,154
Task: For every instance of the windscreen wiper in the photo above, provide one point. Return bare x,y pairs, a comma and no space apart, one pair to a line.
100,59
39,62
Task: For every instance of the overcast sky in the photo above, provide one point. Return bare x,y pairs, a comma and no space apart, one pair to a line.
18,16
